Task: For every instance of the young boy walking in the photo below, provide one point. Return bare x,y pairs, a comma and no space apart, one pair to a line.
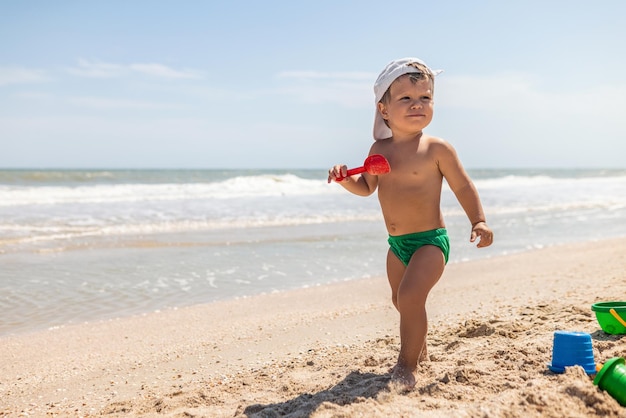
410,199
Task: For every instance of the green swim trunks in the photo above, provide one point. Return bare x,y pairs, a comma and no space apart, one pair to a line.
403,246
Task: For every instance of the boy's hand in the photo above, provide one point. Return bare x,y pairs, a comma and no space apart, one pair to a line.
482,231
338,171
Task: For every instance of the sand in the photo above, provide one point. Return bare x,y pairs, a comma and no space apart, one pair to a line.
326,351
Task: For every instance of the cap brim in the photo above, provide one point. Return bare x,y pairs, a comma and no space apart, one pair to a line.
381,130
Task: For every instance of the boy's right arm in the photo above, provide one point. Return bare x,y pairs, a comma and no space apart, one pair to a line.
359,184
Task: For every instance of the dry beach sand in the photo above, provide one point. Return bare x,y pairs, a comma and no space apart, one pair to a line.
326,351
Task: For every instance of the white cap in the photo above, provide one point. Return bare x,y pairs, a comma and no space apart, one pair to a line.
392,71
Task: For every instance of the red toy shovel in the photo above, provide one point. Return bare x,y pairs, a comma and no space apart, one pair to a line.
375,164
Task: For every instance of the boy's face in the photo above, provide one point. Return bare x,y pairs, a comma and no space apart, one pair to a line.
410,105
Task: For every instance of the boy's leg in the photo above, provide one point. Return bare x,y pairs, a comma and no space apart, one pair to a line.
395,273
422,273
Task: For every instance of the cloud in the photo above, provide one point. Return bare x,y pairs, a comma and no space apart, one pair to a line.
104,103
18,75
523,95
311,75
158,70
97,69
91,69
485,92
347,89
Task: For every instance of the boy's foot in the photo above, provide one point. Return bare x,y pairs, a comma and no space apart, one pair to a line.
403,377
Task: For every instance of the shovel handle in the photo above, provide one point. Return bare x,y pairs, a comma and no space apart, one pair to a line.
616,316
352,172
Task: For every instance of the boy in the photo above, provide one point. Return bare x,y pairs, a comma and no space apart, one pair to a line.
410,200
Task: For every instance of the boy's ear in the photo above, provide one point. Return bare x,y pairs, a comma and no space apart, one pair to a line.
382,110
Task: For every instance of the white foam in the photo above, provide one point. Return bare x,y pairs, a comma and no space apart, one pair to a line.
237,187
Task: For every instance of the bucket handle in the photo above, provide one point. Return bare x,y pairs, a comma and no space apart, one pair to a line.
616,316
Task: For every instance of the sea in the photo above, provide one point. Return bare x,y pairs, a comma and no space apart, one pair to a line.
78,246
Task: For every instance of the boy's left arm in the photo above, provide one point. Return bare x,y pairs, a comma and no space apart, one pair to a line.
470,201
466,193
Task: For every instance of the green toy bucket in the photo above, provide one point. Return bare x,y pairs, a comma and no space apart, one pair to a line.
612,378
611,316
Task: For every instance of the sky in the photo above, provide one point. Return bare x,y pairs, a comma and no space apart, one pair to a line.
288,84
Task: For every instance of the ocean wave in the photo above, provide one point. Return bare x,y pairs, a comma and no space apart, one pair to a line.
271,185
266,185
511,181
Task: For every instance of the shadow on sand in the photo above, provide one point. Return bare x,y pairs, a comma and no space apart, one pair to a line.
355,386
600,335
